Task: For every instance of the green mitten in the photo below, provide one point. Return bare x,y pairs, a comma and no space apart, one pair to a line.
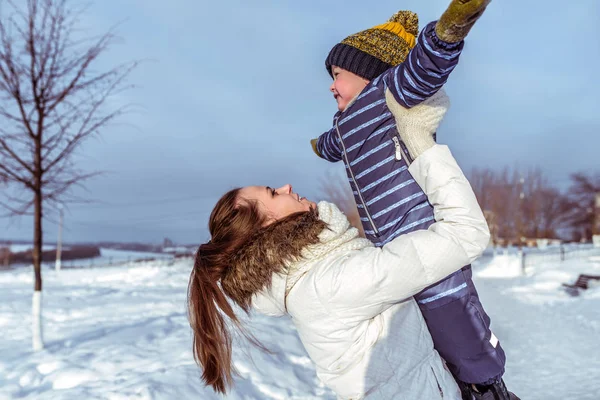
417,125
313,143
458,19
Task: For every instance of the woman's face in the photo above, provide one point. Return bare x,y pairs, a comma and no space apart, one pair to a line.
276,203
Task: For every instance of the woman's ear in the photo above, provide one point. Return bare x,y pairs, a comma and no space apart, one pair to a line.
270,218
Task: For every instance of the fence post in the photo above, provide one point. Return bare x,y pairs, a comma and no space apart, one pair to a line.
562,252
522,258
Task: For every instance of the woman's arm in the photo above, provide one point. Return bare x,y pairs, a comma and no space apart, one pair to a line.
371,280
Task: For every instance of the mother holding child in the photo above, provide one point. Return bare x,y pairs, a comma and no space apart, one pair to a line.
352,302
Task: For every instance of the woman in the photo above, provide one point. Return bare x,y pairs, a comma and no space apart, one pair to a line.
351,303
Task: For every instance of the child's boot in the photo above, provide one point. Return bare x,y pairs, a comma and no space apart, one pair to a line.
495,391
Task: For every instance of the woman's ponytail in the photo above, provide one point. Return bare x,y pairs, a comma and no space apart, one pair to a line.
230,225
207,307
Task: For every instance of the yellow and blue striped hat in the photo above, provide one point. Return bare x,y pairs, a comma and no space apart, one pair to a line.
371,52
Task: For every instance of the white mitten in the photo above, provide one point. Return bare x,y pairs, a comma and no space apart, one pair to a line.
417,125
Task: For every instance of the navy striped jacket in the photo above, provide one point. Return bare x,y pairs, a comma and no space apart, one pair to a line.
364,135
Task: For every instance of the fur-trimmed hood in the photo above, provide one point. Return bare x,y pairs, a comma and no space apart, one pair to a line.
337,236
267,253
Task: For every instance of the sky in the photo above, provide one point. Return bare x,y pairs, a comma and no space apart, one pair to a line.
229,94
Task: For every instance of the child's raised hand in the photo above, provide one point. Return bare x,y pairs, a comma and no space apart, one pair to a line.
458,19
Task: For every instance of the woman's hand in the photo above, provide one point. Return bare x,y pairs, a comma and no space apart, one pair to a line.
416,126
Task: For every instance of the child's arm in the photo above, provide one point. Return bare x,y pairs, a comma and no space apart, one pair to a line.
431,61
426,69
327,146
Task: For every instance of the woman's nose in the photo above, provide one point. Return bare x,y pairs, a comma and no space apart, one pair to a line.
332,87
285,189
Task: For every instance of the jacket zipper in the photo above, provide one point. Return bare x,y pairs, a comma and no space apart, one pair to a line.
401,150
398,148
354,180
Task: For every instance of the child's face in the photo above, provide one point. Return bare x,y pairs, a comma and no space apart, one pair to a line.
346,86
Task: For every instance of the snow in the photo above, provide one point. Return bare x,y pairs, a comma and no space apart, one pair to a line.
179,250
122,333
18,248
550,338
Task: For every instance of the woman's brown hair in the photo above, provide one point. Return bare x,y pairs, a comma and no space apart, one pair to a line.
229,225
236,263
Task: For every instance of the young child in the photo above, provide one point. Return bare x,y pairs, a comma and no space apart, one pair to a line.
377,73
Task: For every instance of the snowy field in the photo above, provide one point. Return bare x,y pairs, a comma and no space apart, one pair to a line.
122,333
107,257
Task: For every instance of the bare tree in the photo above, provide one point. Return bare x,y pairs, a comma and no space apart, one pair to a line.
336,190
544,208
519,205
492,221
483,181
582,195
497,195
51,100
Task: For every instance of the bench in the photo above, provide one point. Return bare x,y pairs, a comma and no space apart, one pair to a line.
582,283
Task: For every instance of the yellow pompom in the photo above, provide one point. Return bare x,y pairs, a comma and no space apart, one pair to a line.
408,19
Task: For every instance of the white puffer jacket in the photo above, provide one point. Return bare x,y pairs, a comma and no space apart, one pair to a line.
352,303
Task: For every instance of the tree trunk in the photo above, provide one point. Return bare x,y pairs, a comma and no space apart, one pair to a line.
37,241
36,315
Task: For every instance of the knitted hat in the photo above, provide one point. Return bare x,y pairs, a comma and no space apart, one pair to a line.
371,52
